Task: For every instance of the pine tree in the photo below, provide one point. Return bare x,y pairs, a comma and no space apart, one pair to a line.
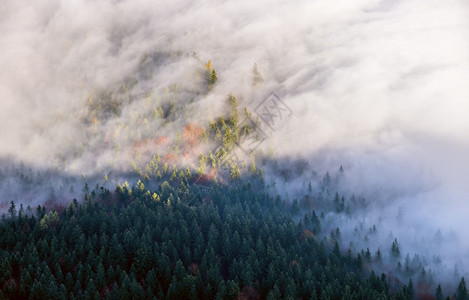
395,251
257,77
213,79
235,173
12,210
461,292
439,293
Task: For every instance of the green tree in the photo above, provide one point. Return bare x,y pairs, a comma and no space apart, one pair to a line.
12,210
274,293
439,293
235,173
213,79
461,292
395,251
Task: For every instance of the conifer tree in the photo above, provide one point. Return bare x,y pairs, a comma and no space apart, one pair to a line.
461,292
213,78
257,77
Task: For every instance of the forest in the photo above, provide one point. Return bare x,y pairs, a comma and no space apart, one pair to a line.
234,150
216,229
230,243
187,240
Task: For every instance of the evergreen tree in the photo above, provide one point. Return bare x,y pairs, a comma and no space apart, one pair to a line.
12,210
257,77
461,292
213,79
439,293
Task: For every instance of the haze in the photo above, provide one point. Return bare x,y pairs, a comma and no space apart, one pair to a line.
379,87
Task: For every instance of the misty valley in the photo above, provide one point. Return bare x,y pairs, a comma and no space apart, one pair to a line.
222,150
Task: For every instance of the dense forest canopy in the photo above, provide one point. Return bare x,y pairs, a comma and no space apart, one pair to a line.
230,243
234,150
193,237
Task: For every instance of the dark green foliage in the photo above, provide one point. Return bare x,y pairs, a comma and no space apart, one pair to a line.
395,251
461,292
129,244
439,293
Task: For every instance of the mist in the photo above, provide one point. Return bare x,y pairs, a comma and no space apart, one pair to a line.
379,87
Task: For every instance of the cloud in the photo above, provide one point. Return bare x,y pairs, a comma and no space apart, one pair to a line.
378,86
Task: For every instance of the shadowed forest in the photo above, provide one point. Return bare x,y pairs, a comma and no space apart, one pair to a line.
234,150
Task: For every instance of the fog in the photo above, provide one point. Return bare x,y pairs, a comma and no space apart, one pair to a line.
379,87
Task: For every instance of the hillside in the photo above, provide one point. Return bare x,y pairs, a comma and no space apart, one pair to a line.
219,149
231,244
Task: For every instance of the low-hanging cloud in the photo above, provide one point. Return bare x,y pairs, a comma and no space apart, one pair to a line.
377,86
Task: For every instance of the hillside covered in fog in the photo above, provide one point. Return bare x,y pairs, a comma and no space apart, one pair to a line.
321,143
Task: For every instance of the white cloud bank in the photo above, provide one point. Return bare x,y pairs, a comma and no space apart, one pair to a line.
378,86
